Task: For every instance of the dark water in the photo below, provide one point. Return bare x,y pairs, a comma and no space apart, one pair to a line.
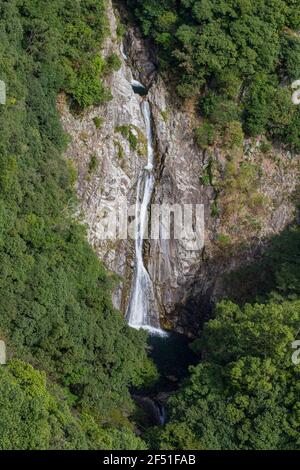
140,90
172,357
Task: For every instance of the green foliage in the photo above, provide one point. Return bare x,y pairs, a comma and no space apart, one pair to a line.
31,416
218,109
206,178
85,86
35,416
121,29
93,163
98,121
233,135
83,28
238,190
223,240
244,394
55,295
147,375
215,211
66,38
164,114
265,146
113,63
233,54
205,135
135,137
120,150
291,56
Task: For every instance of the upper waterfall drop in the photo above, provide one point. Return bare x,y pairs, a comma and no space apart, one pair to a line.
142,311
122,51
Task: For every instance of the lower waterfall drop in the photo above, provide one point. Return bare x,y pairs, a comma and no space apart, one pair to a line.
142,311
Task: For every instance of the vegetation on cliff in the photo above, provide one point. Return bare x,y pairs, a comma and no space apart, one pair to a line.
55,296
244,393
236,58
71,357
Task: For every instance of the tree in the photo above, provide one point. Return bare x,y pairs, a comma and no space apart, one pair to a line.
237,50
245,392
31,417
55,295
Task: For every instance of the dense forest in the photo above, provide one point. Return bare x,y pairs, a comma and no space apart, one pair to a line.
71,357
245,391
236,58
55,296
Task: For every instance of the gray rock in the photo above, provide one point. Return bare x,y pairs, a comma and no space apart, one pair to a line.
185,281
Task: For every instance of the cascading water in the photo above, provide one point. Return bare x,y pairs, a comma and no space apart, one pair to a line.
142,311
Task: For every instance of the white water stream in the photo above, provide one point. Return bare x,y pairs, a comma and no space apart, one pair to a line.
142,311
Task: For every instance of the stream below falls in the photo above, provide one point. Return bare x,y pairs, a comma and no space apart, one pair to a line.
172,356
170,351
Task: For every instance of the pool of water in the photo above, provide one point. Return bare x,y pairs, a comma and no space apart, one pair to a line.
172,355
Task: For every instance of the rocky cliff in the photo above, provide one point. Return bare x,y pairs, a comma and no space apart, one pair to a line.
242,209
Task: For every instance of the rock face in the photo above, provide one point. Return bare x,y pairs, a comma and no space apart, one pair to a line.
112,181
108,164
187,281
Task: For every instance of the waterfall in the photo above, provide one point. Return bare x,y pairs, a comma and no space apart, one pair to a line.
162,413
142,311
122,51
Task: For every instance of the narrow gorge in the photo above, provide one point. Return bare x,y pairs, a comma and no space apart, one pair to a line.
149,227
185,282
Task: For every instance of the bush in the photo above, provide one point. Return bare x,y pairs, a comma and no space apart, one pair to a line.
233,135
98,121
205,135
93,163
218,109
257,106
135,137
33,416
113,63
265,146
223,240
291,56
121,30
85,86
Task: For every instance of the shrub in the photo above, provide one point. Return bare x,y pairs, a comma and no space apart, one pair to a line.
223,240
135,137
113,63
215,211
218,109
121,30
265,146
93,164
86,86
98,121
205,135
233,135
